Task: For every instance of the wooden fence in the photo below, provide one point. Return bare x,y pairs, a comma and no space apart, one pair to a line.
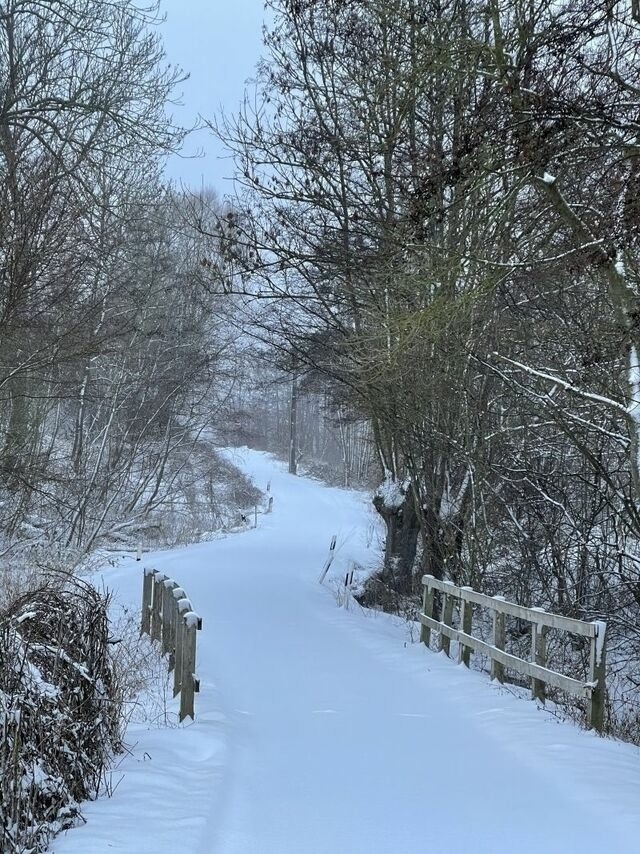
168,617
541,621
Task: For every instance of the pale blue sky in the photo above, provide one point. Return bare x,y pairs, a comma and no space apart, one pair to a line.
218,42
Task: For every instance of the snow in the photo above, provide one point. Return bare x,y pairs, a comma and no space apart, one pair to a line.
392,492
451,505
320,729
601,630
191,620
184,606
549,179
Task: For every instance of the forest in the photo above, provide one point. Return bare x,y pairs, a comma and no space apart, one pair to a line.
425,284
438,225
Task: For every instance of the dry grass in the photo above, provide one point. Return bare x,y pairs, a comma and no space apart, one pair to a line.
60,708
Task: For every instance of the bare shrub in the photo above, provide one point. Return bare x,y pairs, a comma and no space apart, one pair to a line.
60,709
140,675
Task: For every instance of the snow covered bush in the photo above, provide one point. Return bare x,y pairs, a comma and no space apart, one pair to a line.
142,682
60,713
210,495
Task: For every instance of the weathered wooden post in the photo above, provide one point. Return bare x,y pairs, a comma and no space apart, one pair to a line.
427,608
183,606
597,670
139,551
191,622
538,656
466,617
270,504
156,607
447,617
177,593
147,597
178,654
168,608
497,668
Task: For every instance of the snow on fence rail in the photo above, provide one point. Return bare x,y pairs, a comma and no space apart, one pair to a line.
541,621
168,617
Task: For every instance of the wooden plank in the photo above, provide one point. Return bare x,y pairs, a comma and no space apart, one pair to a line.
147,596
538,656
466,617
497,669
597,668
427,608
525,668
178,656
444,644
553,621
156,606
187,690
168,609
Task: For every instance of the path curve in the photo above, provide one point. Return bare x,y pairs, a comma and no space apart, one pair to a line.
320,730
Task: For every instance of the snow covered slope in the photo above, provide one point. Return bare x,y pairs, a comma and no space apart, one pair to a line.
320,730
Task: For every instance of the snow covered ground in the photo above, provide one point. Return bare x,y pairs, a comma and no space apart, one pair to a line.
320,730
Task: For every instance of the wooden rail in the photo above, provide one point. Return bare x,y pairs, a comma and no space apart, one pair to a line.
168,617
541,621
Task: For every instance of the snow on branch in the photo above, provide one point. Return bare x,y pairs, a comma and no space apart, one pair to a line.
567,386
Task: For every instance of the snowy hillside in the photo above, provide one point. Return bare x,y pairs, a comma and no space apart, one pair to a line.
323,730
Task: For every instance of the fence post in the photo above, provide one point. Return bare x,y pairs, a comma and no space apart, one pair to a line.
447,616
270,504
597,666
538,656
178,655
168,608
183,606
466,616
176,594
190,627
156,606
427,609
147,596
497,668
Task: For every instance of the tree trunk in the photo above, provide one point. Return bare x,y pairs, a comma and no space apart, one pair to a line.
293,429
401,542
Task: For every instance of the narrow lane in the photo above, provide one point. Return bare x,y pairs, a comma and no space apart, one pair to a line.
322,730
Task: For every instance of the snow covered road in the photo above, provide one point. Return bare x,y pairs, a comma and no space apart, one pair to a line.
320,730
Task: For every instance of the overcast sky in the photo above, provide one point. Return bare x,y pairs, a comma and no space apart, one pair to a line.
218,42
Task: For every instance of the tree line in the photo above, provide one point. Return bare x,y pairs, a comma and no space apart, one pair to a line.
437,220
113,358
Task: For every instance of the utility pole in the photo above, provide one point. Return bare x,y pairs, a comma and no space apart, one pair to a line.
293,428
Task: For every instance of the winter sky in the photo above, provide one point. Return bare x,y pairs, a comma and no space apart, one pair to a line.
218,42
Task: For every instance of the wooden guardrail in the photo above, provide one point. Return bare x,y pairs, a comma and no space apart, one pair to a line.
168,617
593,688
